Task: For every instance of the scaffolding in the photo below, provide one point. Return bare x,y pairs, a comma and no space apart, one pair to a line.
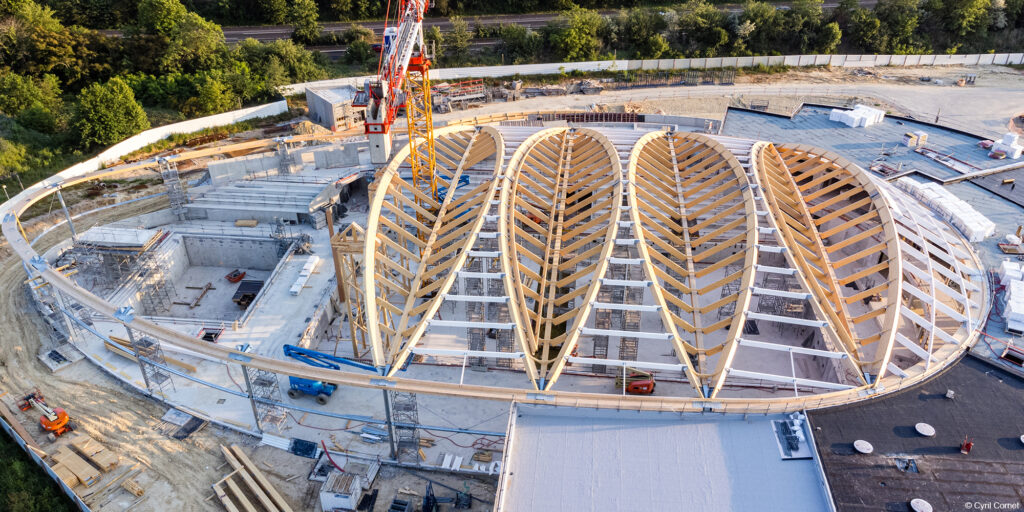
175,189
265,392
405,416
150,357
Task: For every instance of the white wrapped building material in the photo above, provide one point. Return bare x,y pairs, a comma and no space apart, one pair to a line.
860,116
1009,271
307,270
950,208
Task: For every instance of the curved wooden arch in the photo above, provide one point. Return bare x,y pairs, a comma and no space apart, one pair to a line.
11,228
556,183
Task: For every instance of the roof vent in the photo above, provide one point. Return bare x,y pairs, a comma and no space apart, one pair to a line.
919,505
863,446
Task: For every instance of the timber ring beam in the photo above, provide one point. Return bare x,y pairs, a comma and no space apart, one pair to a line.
750,277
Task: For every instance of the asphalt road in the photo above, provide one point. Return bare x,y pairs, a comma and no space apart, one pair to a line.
272,32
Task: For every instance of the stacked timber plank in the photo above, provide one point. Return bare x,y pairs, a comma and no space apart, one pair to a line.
82,470
94,452
65,474
147,348
246,489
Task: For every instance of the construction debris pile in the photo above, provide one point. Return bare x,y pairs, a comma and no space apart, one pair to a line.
954,210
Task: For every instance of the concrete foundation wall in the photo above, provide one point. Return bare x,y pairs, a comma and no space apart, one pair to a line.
232,252
148,220
224,171
233,215
345,156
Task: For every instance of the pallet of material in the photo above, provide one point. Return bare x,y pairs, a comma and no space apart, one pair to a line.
247,223
124,349
65,474
86,474
95,452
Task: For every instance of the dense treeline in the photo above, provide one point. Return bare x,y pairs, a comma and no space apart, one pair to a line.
699,29
115,13
65,90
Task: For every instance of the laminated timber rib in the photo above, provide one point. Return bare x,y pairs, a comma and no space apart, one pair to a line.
692,208
666,244
559,211
424,237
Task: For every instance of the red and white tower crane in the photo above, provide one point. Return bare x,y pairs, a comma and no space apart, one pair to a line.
403,72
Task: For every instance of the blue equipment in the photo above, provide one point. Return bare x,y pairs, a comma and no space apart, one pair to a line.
321,390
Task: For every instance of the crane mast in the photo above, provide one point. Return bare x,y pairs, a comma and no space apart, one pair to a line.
404,68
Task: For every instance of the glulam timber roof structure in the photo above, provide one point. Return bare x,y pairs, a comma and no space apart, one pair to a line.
747,276
733,266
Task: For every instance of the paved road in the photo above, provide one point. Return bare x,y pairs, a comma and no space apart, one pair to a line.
273,32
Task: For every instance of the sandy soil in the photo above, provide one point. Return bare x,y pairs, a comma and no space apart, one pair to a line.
177,473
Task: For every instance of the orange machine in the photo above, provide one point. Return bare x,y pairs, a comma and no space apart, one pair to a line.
55,421
638,382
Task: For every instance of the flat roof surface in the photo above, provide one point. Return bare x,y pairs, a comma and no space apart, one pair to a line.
111,236
336,95
988,406
810,125
585,459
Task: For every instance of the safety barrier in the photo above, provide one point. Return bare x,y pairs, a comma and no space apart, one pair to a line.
850,61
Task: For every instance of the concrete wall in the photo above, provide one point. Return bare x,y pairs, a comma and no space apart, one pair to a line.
232,252
231,169
678,64
321,111
233,215
345,156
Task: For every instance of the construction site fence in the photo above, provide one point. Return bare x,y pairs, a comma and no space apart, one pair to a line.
850,61
46,467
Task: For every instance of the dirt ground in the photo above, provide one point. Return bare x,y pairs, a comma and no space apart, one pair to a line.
176,472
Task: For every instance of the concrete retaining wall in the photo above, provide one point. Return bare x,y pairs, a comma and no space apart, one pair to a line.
231,169
232,252
858,61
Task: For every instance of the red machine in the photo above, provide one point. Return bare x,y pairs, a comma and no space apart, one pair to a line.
235,276
55,421
638,382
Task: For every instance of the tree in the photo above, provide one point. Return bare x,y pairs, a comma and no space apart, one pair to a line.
828,38
433,37
575,37
963,17
13,158
303,16
275,12
161,17
18,93
356,32
108,113
767,21
640,29
866,31
36,104
519,44
212,97
899,20
192,43
456,41
359,52
702,29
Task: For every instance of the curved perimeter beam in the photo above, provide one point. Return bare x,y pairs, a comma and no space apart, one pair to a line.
40,269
